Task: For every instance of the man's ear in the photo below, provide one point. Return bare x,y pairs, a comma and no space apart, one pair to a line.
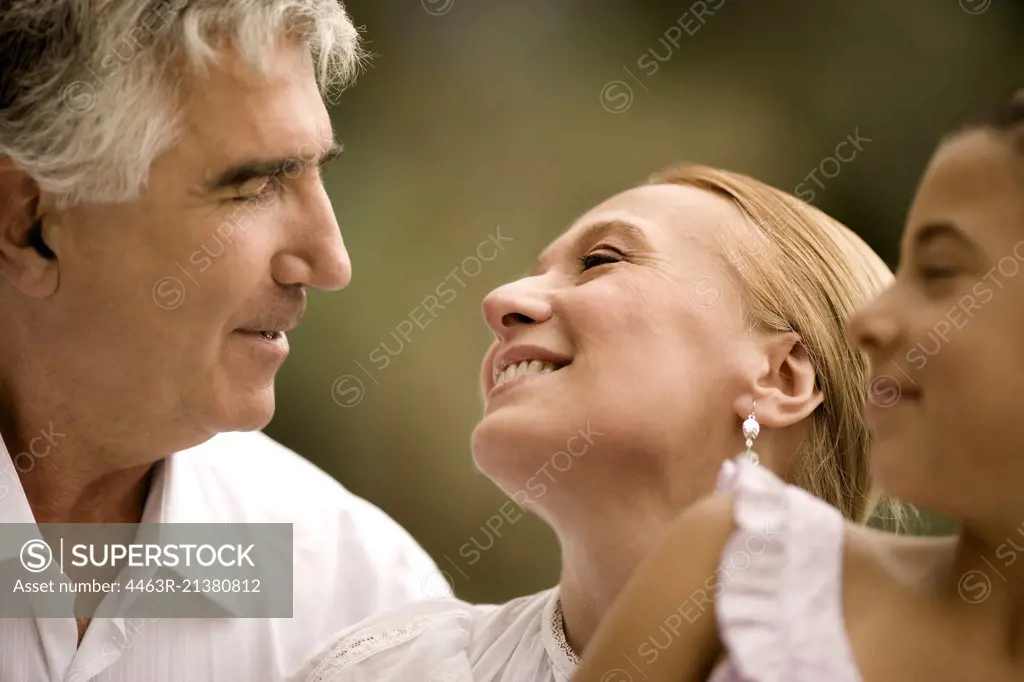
26,258
787,390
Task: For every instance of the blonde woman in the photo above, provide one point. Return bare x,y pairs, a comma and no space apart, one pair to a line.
828,600
622,370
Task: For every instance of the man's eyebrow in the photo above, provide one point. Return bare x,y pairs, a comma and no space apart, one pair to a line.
240,173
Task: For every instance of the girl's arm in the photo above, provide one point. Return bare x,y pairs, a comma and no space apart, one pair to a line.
662,627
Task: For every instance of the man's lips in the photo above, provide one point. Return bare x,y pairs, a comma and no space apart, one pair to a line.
273,326
278,312
274,342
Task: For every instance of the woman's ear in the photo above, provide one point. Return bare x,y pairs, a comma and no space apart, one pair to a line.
26,260
787,389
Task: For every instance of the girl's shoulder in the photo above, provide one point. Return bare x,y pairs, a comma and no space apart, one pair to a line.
779,605
795,578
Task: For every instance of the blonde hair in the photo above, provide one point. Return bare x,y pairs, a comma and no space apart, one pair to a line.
89,88
804,272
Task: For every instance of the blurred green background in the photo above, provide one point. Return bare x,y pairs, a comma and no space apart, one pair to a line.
483,115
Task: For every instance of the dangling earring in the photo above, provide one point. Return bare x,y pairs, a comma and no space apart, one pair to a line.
750,431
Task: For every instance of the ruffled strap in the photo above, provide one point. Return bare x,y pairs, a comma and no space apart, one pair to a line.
780,606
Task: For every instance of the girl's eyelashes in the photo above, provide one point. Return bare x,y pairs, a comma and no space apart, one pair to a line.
933,272
938,281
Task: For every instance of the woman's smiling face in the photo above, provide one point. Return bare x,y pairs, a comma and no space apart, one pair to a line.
629,329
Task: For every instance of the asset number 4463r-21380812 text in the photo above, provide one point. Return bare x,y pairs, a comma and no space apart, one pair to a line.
193,585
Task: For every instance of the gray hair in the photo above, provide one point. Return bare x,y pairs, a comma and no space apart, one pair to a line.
87,88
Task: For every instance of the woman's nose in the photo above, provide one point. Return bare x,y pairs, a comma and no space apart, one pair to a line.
515,304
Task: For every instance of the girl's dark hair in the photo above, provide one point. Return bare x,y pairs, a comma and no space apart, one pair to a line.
1005,117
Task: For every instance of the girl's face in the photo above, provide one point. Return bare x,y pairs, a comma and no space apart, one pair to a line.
945,342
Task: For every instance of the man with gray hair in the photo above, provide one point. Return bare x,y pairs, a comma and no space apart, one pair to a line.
161,217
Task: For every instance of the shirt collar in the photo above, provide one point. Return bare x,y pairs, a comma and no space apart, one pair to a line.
175,496
13,503
552,634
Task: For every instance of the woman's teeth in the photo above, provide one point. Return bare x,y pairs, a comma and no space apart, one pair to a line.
526,367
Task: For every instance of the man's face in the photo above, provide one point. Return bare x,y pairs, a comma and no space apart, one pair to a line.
169,310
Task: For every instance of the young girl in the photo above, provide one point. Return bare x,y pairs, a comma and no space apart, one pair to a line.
765,583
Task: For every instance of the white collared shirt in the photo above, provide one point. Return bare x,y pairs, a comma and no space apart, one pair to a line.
350,562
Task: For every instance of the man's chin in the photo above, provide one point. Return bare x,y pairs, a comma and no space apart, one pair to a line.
248,412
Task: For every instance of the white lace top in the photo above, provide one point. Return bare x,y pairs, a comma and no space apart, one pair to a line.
452,641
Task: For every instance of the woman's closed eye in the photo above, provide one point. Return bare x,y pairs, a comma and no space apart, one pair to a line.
598,257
